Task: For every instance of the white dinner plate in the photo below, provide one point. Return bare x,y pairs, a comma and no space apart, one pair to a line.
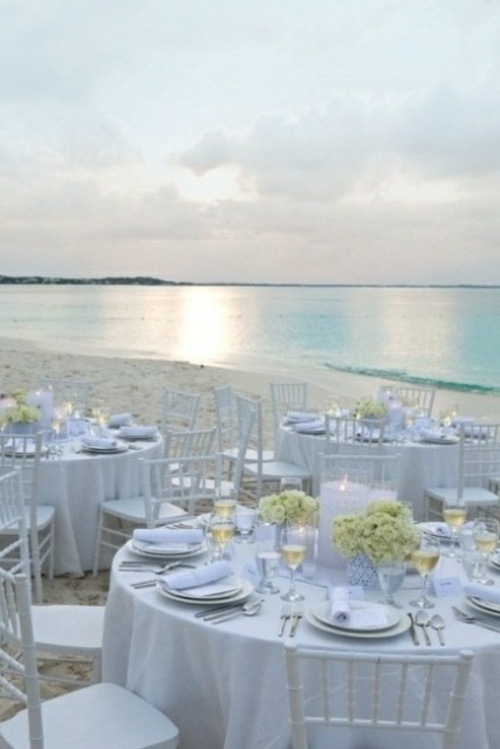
322,614
432,529
120,447
402,626
18,450
171,550
245,592
485,606
447,439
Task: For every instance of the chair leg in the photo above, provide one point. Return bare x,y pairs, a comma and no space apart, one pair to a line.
97,550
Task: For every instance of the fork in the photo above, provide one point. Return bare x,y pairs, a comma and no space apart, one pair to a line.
469,619
297,616
286,613
155,570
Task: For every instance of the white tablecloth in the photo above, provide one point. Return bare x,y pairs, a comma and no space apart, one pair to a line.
224,685
422,465
75,484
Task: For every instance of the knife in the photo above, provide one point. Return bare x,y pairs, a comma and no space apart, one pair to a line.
413,630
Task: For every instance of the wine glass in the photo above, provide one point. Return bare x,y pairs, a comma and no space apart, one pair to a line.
266,560
222,531
293,552
225,506
390,578
454,515
485,534
424,557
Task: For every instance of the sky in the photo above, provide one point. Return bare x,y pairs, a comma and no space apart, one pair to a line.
310,141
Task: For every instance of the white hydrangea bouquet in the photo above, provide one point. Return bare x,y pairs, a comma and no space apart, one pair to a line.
384,532
291,506
369,408
15,410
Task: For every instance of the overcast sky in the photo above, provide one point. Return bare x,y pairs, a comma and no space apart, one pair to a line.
330,141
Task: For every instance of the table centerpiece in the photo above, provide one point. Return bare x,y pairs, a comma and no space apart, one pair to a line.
369,408
384,532
290,507
17,414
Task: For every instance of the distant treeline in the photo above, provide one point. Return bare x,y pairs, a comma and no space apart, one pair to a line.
150,281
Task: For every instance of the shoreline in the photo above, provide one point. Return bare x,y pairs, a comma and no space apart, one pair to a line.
134,383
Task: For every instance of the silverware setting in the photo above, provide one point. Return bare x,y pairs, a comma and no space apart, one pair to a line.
251,608
469,619
422,620
286,614
297,615
151,583
413,629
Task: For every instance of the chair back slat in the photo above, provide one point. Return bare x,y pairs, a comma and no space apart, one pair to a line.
179,410
375,691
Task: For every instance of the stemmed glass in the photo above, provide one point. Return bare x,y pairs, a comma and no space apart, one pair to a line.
293,552
244,520
290,483
266,560
424,557
454,515
485,535
222,531
390,578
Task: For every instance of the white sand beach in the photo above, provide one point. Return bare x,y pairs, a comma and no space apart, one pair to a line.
135,385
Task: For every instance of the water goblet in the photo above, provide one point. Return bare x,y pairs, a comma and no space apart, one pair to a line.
485,534
290,483
244,520
424,558
293,552
266,560
454,515
390,578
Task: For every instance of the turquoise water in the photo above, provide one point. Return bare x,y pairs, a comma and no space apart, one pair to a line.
447,337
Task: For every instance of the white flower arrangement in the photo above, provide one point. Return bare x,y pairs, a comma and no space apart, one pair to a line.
291,506
384,532
369,408
15,410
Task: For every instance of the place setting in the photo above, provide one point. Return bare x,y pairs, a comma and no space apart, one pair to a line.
167,541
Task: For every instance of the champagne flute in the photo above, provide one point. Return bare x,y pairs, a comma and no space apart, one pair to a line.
485,534
293,552
454,515
424,557
266,560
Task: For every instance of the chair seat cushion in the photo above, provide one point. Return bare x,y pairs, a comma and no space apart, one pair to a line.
68,627
101,716
133,509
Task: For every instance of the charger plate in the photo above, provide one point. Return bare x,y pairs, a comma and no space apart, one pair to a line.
322,613
158,550
245,591
402,626
485,606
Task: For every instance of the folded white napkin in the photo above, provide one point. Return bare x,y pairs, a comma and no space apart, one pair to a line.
340,607
293,417
119,420
138,432
486,593
432,434
209,573
168,535
99,442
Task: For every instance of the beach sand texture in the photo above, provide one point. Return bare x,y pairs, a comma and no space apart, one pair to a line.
136,385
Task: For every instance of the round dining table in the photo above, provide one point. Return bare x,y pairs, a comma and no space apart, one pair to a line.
224,684
75,481
422,464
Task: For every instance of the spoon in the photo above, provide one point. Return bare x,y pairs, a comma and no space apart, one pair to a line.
422,619
437,623
249,609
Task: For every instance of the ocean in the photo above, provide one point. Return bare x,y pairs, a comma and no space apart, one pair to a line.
445,337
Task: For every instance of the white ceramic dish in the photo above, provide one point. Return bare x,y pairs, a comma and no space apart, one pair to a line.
484,606
245,592
322,614
157,550
402,626
120,447
432,529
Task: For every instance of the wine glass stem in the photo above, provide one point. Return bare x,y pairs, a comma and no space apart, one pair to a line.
292,581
